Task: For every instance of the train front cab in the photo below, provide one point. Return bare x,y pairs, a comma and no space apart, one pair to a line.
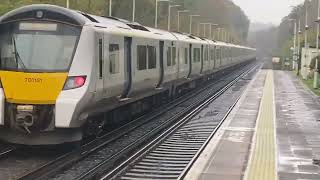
40,91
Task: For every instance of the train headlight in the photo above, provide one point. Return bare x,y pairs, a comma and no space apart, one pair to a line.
25,108
75,82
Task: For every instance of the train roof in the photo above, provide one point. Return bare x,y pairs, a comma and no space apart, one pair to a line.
52,12
79,18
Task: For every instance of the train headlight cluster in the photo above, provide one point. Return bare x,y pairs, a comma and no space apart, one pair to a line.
74,82
25,108
25,117
39,14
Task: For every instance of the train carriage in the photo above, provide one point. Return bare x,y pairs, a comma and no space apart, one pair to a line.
61,67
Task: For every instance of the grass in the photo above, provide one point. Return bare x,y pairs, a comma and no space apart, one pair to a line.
309,84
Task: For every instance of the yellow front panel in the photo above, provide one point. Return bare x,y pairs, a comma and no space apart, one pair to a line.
32,88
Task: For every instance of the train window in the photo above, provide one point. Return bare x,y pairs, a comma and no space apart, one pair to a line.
222,53
186,55
181,55
212,54
206,54
169,56
196,55
100,58
226,54
217,53
152,57
142,57
174,56
114,58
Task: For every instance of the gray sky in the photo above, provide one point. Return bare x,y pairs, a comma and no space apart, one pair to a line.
267,11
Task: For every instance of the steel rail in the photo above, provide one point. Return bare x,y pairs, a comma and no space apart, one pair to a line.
165,134
6,151
68,159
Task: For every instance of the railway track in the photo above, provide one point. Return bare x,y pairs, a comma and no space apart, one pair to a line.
173,152
57,165
5,150
15,161
98,170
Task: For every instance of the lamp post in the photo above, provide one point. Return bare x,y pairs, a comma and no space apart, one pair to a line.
190,24
316,72
169,15
306,46
156,15
133,10
179,12
110,8
204,28
224,34
306,26
223,31
298,54
211,34
227,36
219,32
294,42
68,4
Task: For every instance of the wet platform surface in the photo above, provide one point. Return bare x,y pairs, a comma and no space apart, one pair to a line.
296,134
298,128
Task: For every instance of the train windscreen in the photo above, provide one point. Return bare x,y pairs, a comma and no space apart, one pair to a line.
37,46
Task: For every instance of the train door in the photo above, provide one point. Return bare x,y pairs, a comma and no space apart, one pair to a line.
221,56
99,65
127,66
201,56
218,56
178,60
190,60
231,56
113,77
214,57
161,48
171,63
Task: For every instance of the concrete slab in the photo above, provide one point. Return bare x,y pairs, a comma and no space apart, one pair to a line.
297,133
227,154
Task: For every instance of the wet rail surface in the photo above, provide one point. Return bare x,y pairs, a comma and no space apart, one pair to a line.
16,161
6,149
96,165
172,154
75,164
117,151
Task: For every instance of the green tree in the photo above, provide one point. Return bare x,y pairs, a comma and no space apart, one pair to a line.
222,12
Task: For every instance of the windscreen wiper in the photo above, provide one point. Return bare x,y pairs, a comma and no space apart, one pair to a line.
17,56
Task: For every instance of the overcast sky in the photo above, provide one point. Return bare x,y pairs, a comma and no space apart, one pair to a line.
267,11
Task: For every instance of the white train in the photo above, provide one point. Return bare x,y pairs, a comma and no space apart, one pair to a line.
61,68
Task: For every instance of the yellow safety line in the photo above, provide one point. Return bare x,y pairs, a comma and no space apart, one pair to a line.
262,163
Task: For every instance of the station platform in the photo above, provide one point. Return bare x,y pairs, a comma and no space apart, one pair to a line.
273,133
